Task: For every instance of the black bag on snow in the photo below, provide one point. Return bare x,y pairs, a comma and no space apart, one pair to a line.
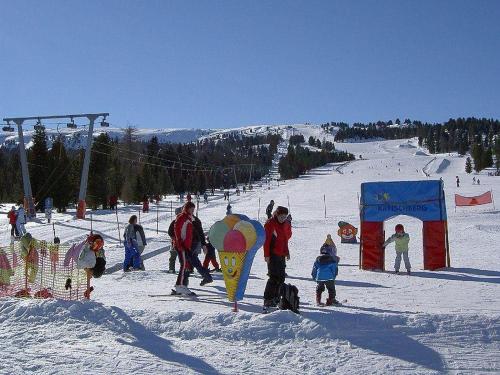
289,298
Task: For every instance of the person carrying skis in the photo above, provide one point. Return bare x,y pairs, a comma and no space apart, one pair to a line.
12,221
324,272
183,229
132,256
20,221
401,240
278,232
269,209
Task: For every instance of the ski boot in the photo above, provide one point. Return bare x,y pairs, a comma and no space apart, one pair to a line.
332,301
318,299
206,281
87,292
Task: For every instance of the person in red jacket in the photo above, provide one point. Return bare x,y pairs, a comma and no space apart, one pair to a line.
12,221
278,232
184,233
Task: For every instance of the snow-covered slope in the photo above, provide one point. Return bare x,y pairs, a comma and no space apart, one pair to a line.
445,321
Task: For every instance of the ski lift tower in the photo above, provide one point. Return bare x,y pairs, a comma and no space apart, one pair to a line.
28,195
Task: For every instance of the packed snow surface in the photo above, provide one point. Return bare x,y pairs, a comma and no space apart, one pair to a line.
446,321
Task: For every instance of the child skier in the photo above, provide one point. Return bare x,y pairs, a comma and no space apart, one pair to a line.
132,256
325,271
211,258
401,240
92,259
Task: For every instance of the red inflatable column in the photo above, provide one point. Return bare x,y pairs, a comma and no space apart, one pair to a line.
372,238
434,238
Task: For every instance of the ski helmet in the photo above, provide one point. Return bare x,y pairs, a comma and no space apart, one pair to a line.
96,242
399,228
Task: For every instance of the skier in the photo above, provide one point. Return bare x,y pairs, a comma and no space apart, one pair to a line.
205,197
173,251
244,189
473,180
278,232
141,242
92,259
12,221
458,181
132,256
229,210
20,221
145,204
401,240
211,258
269,209
478,182
183,229
325,271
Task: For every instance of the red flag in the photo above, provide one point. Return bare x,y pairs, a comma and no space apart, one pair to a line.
473,201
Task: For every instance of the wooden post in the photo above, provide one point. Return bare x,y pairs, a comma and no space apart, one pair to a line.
447,245
118,225
324,202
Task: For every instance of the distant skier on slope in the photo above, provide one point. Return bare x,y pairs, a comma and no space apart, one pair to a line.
401,240
269,209
12,215
324,272
20,221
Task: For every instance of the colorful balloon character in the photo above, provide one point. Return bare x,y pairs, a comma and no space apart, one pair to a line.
237,248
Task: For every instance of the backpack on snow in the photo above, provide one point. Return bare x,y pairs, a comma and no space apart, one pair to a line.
289,298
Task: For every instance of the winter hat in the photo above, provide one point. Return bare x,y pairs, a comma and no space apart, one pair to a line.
399,228
280,210
329,240
178,210
188,205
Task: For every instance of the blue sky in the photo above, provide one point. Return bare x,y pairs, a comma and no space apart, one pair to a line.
232,63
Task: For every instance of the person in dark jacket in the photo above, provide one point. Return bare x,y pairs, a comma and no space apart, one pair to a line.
278,232
324,272
173,251
269,209
12,215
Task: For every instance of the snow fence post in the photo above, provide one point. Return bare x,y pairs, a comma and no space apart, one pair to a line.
324,202
118,225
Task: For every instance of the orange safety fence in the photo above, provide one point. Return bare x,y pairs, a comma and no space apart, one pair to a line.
48,271
485,198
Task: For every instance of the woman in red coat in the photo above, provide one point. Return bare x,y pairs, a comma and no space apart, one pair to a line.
278,232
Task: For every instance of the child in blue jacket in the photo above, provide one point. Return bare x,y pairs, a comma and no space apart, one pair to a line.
325,271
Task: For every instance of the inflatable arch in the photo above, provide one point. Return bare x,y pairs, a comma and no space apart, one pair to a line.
423,200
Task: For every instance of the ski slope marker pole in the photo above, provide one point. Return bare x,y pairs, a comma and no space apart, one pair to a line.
157,213
324,202
118,225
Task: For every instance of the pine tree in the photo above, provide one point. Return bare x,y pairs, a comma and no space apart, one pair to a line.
98,186
486,158
38,168
60,188
468,166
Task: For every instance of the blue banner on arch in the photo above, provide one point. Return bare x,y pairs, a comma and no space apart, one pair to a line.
423,200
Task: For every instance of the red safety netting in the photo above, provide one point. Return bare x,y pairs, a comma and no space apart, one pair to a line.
485,198
48,271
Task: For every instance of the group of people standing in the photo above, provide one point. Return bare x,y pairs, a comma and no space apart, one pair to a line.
17,219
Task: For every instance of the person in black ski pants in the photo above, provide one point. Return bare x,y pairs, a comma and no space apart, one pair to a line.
269,209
